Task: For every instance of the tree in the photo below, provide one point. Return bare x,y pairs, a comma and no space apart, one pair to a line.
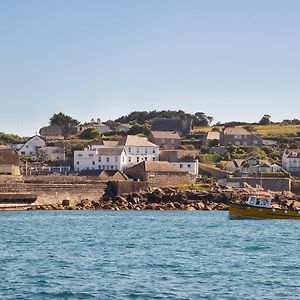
202,119
63,120
138,129
265,120
67,123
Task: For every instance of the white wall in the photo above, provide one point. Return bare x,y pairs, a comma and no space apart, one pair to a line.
89,160
191,167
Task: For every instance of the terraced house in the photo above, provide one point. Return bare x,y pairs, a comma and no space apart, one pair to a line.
239,136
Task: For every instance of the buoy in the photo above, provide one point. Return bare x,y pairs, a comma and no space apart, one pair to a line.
273,210
285,211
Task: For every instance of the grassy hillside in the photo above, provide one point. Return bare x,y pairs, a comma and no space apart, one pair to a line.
266,131
275,130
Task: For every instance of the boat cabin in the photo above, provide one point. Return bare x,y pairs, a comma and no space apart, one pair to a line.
260,201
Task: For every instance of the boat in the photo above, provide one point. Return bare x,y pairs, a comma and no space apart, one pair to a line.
260,207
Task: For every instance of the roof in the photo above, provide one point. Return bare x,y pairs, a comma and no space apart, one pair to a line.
157,166
9,157
133,140
213,135
107,174
165,134
236,130
113,151
110,143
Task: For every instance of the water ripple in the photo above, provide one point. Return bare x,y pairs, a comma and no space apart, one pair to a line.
146,255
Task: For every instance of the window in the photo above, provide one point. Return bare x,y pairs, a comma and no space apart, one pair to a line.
129,159
146,158
181,166
78,163
107,159
111,167
138,159
129,149
116,167
99,159
188,165
153,151
153,159
116,159
91,155
79,155
93,162
99,167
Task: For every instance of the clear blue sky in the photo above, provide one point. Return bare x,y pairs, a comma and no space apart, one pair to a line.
234,60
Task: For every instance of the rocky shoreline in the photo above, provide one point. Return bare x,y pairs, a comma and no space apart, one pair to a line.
215,198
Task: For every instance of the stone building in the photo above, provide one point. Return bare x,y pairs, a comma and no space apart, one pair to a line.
165,139
159,173
239,136
9,162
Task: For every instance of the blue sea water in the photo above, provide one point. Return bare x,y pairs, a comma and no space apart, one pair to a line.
147,255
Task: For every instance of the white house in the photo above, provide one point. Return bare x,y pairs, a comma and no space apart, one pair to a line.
291,160
100,159
30,147
138,149
190,167
102,128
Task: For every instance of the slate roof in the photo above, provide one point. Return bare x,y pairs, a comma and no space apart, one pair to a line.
157,166
236,131
135,141
114,151
165,134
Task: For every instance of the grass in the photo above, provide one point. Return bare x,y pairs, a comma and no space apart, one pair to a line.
274,130
195,187
265,131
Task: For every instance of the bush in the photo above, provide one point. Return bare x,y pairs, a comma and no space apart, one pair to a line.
89,134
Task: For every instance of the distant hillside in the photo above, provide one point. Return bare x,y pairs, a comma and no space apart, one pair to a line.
142,117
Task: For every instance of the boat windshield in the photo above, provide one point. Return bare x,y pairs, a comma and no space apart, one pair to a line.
260,201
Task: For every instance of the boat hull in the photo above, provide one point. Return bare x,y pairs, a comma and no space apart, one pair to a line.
251,212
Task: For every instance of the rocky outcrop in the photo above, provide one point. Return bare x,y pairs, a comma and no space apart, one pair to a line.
216,198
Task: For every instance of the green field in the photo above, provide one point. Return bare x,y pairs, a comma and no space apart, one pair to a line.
273,130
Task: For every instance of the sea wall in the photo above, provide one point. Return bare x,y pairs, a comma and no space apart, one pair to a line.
54,189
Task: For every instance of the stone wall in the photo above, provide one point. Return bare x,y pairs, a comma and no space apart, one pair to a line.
54,189
272,184
173,180
117,188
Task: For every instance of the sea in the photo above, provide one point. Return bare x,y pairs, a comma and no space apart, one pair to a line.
147,255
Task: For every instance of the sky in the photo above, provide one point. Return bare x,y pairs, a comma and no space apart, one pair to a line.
233,59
